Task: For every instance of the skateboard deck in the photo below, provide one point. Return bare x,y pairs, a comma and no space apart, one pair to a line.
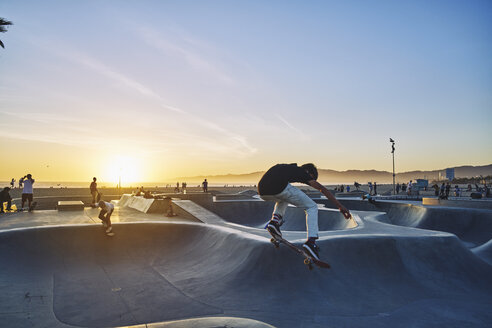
308,259
33,206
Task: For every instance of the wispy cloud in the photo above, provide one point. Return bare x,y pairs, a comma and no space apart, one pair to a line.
40,117
293,128
221,141
194,58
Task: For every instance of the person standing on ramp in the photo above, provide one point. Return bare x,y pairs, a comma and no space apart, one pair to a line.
275,186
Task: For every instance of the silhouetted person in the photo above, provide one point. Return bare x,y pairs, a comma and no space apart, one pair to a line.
398,188
448,189
205,185
170,210
409,188
275,185
5,197
442,194
457,191
375,188
94,192
436,189
12,183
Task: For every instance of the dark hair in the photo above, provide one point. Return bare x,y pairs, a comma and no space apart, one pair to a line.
101,203
311,169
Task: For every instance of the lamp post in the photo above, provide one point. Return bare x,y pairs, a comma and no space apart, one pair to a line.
393,153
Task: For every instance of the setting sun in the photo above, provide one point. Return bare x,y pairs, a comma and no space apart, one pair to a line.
125,168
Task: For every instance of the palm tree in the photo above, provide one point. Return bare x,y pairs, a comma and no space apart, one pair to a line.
3,29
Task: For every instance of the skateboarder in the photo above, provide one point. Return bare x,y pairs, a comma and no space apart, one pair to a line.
27,191
275,186
105,216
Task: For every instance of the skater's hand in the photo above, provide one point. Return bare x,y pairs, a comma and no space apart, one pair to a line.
345,213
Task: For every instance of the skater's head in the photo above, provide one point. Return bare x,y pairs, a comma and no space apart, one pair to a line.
29,176
101,204
311,170
94,179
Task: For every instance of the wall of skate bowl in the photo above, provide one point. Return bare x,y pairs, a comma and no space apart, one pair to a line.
472,226
157,272
256,214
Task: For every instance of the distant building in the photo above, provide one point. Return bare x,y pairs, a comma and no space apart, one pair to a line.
450,174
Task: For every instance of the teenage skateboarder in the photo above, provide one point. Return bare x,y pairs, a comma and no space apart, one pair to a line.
275,186
105,216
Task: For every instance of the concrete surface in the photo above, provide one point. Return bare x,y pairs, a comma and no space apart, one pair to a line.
70,205
388,269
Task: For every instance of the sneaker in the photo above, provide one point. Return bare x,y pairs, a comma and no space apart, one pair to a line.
109,230
312,249
274,227
111,234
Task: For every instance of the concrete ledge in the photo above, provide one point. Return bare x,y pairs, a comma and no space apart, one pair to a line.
430,201
70,205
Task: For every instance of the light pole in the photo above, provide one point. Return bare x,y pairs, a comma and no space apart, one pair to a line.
393,153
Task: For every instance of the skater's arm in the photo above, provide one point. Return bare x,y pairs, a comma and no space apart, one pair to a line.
316,185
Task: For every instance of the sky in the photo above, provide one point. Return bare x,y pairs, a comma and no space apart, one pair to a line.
151,90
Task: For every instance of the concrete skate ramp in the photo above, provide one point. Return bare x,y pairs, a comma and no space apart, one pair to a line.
155,272
256,214
472,226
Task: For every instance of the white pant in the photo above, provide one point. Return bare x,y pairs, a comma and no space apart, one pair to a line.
294,196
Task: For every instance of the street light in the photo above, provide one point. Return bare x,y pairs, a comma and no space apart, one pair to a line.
393,153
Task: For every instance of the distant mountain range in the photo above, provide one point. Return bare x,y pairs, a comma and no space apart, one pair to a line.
327,176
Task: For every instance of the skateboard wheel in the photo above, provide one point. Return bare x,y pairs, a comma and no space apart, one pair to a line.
307,261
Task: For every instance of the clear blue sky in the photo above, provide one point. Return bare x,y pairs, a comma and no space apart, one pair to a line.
208,87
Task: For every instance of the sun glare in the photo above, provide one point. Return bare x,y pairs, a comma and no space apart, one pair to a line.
125,168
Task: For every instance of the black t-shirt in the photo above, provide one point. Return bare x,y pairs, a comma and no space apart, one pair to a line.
277,177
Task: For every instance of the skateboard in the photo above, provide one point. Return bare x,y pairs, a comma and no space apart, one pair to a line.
33,206
105,225
109,234
308,259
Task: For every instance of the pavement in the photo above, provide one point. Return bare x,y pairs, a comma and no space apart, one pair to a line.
396,265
